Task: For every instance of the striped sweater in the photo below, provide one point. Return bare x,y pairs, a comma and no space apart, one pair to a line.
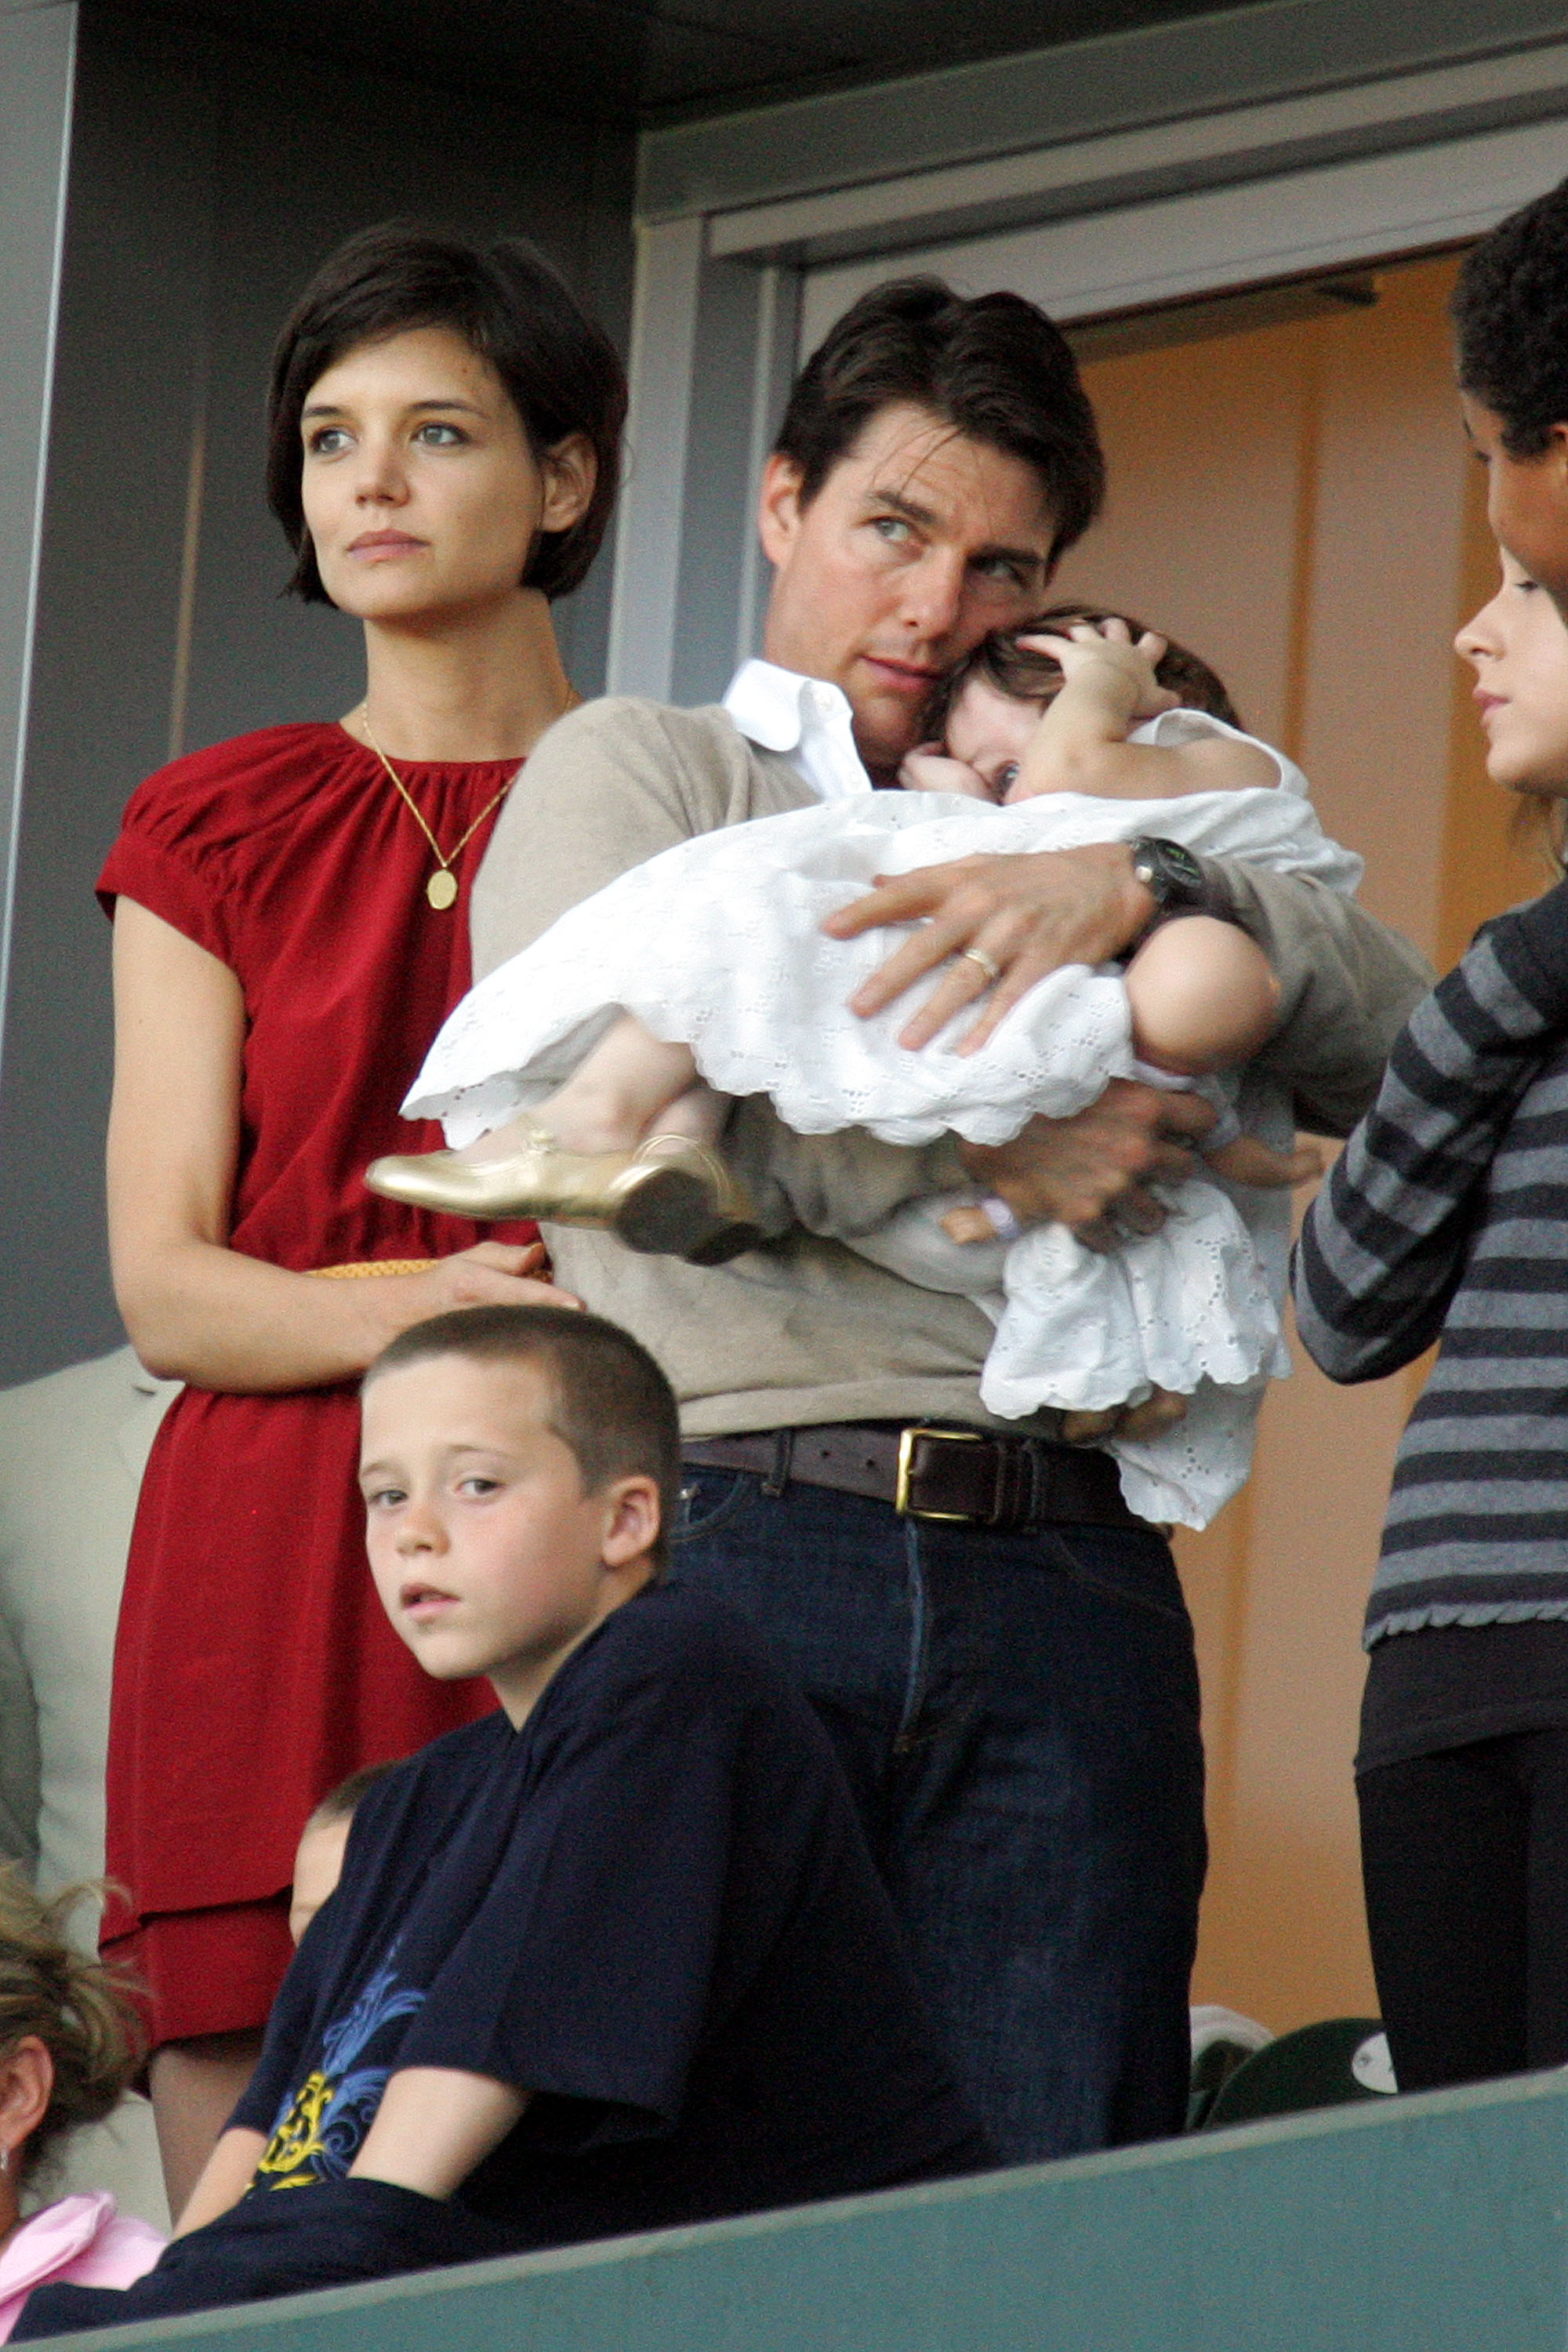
1448,1216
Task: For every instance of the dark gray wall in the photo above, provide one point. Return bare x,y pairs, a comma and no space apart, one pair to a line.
207,178
37,66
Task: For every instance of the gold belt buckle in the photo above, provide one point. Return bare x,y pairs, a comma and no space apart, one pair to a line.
901,1502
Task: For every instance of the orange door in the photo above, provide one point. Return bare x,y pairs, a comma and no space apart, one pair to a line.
1297,503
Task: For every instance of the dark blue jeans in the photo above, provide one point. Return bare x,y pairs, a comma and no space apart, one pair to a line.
1018,1719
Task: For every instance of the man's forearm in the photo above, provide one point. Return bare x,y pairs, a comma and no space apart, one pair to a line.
837,1186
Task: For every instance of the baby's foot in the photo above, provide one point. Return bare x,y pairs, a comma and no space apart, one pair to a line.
1161,1409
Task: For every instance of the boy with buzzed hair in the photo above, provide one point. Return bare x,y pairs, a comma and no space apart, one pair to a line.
610,1958
1511,319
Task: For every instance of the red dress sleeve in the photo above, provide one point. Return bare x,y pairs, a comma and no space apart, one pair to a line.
169,857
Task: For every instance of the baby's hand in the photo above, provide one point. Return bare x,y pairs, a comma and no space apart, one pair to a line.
1104,654
928,769
988,1219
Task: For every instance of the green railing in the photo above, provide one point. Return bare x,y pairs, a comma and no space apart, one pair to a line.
1436,2224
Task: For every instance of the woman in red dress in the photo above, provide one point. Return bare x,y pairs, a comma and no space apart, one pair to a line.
291,921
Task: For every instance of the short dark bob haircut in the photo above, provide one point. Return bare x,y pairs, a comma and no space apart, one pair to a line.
1510,314
612,1405
1026,676
508,305
994,368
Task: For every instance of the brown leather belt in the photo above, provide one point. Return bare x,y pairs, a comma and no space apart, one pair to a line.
965,1477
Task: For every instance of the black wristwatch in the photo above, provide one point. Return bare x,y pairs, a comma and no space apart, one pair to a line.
1171,875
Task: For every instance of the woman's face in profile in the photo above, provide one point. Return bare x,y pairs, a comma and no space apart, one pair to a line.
422,496
1518,646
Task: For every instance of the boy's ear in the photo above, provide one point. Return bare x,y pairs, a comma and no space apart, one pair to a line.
634,1517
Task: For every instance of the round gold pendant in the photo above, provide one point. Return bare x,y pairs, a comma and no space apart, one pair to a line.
441,888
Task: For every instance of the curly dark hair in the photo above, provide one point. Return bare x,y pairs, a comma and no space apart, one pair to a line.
993,367
1026,676
1509,308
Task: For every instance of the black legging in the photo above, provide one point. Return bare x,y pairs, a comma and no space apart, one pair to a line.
1465,1859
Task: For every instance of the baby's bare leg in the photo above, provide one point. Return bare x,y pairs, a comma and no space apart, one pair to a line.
1203,996
630,1087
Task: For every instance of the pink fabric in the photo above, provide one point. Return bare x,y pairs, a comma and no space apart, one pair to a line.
80,2242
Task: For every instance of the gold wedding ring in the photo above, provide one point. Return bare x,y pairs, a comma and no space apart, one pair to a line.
988,963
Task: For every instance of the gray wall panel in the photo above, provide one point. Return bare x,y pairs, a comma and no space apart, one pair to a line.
36,51
1155,73
100,714
716,538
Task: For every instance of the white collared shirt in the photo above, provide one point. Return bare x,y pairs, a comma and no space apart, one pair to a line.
806,718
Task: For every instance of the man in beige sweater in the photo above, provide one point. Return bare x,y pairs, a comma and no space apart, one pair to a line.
999,1648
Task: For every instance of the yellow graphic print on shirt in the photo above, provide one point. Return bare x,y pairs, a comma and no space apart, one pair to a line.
297,2141
322,2124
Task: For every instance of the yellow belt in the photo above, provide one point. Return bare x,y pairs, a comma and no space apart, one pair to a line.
357,1266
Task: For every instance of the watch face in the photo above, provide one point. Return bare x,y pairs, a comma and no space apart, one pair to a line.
1171,872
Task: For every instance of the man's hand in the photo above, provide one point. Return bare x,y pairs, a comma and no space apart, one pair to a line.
1091,1172
1026,915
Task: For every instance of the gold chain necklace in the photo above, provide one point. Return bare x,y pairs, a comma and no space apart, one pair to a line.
442,888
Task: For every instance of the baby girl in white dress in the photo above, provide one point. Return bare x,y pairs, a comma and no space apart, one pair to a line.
623,1031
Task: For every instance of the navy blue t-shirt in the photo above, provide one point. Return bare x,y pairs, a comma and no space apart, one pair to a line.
651,1908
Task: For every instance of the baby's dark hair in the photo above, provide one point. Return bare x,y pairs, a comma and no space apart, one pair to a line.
80,2010
1510,319
1025,676
612,1405
342,1803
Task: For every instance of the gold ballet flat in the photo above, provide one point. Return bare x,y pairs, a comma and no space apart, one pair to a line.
671,1197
